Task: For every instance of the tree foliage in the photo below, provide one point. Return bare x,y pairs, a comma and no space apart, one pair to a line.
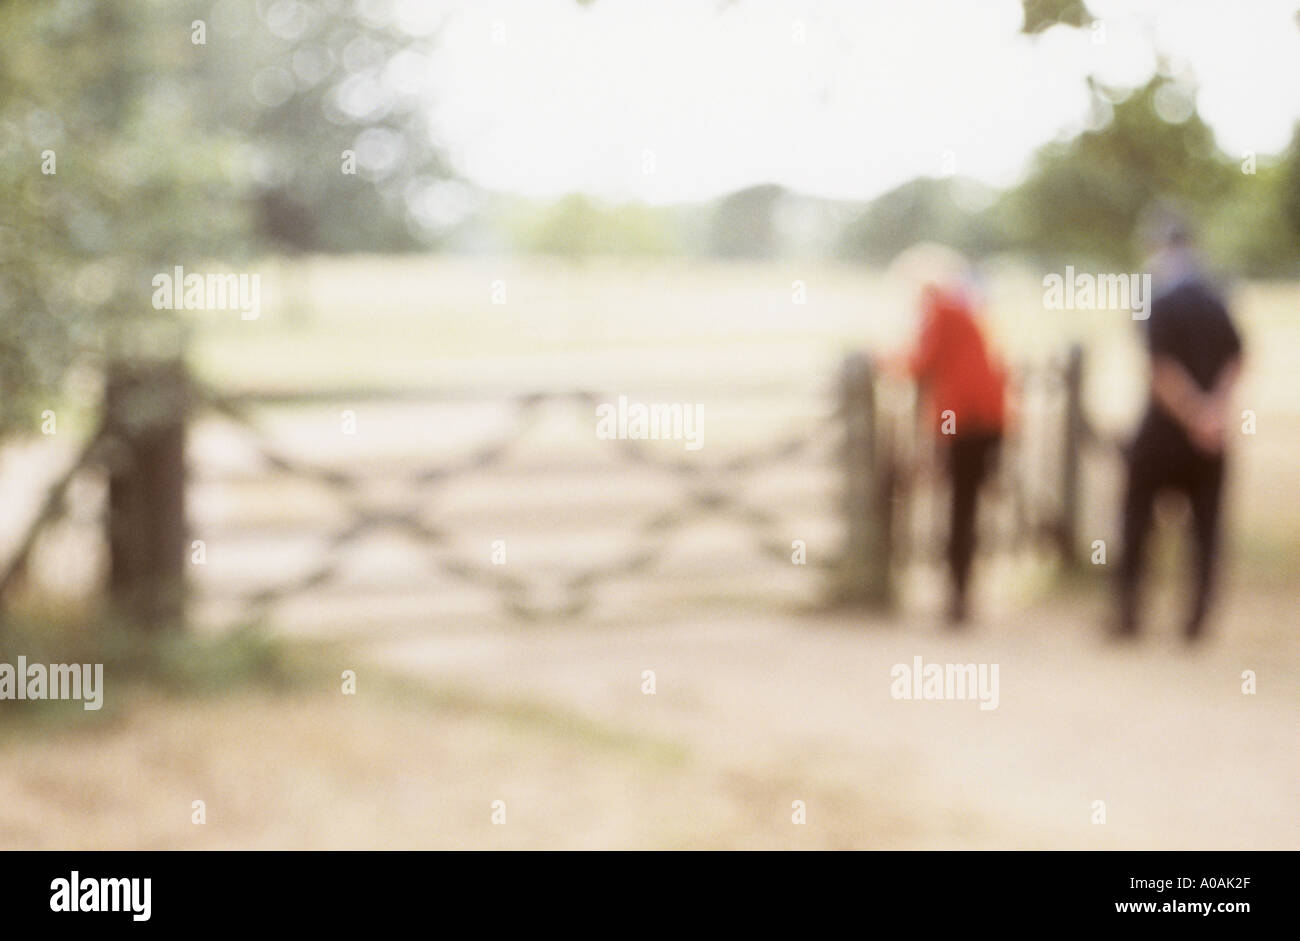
304,84
1044,14
108,174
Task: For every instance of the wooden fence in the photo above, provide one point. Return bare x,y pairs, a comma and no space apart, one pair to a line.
1033,502
887,520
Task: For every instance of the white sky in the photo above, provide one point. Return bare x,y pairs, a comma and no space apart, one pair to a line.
544,97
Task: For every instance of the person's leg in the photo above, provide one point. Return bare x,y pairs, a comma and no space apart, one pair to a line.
1206,497
968,459
1139,501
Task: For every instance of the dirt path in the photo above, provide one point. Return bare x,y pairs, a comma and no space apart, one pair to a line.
801,710
749,715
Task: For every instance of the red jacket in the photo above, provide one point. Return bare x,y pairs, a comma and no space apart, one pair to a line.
955,368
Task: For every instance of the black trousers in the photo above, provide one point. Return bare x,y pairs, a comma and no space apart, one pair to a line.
1155,468
970,460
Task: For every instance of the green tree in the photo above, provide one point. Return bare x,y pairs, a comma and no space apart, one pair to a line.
303,83
1249,230
743,225
1289,188
1043,14
577,226
921,210
1083,199
108,174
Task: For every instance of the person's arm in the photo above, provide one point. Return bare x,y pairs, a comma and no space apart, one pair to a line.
918,362
1214,419
1203,415
923,359
1226,384
1176,392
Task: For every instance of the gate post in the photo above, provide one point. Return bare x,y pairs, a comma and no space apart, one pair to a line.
1068,525
864,576
146,404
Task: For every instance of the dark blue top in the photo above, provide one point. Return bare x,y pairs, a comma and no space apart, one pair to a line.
1190,325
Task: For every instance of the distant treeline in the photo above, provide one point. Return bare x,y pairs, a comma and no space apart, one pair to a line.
1086,200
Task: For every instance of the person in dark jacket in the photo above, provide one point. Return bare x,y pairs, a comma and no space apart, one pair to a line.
1195,356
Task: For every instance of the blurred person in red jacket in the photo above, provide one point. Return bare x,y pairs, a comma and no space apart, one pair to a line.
964,390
